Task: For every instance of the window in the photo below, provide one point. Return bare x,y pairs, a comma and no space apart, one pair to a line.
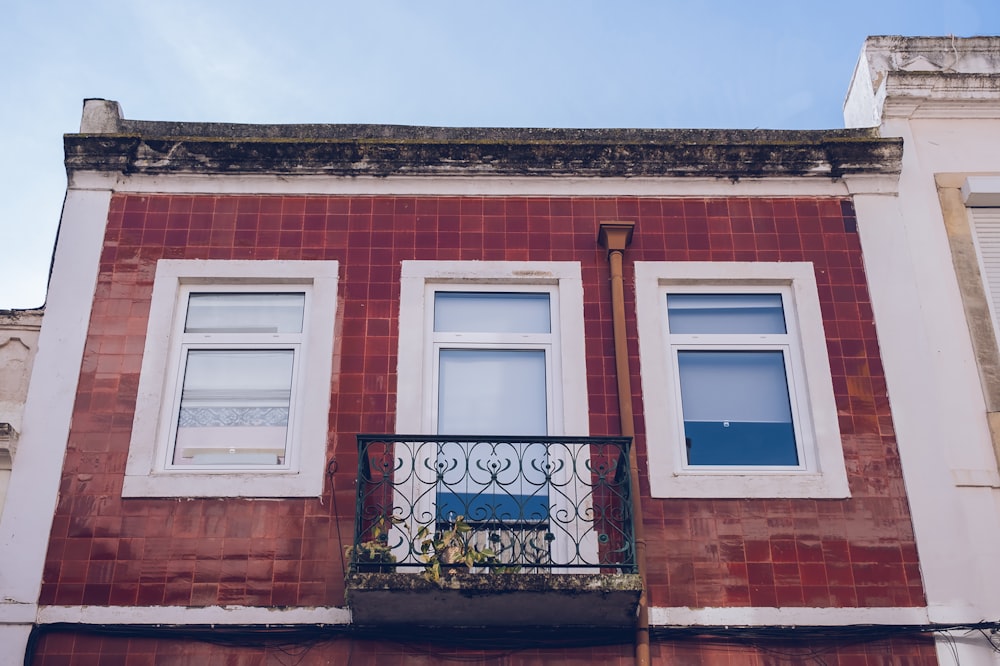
235,383
736,381
492,348
493,355
239,353
502,306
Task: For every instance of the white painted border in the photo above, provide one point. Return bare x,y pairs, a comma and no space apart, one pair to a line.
181,615
758,616
34,484
486,185
826,475
746,616
144,473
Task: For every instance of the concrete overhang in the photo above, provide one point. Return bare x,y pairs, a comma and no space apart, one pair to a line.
924,77
941,95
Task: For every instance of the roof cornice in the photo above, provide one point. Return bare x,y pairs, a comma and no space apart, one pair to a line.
600,153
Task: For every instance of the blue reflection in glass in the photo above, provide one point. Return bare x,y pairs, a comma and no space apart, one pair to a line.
736,408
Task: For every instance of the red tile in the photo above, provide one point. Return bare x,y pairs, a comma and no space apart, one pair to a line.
380,231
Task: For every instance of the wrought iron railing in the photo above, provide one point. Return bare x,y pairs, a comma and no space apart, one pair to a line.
498,504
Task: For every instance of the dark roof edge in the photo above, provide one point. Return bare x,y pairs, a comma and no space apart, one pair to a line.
15,313
743,155
109,142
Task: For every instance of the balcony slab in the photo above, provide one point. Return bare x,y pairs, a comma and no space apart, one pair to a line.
495,600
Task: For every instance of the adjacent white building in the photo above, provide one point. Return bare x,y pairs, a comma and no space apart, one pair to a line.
934,272
18,343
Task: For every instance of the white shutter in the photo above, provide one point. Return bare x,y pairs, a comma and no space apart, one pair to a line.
986,222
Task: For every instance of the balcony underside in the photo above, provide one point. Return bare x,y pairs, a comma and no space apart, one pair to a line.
495,600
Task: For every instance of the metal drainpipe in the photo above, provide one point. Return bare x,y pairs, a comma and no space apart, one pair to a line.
615,237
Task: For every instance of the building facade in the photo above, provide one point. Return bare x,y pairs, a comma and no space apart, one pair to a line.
18,344
655,372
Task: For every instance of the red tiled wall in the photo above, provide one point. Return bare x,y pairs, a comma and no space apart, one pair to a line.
106,550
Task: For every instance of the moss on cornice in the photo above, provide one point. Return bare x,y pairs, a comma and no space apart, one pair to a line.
380,150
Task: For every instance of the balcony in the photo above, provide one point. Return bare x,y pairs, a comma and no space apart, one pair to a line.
493,531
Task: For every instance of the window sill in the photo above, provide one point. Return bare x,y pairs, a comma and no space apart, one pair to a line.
225,484
758,484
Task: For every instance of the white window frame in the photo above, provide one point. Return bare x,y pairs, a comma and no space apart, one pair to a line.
211,341
415,410
418,344
545,342
821,472
148,471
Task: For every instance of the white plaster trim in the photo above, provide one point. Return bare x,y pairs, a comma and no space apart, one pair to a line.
924,95
865,184
14,613
824,474
180,615
14,642
756,616
752,616
145,475
34,483
976,478
542,186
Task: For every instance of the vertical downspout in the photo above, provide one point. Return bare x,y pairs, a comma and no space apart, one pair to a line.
615,237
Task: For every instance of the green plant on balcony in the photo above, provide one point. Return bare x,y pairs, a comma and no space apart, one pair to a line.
374,550
450,551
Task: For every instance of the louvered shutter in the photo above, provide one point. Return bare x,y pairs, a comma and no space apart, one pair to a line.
986,222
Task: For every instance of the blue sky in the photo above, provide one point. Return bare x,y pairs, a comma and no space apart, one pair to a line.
533,63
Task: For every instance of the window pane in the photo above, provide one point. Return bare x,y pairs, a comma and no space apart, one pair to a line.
491,312
725,313
234,407
736,408
245,313
492,392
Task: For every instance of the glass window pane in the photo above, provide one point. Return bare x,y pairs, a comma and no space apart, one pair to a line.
234,407
491,312
245,313
492,392
725,313
736,408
